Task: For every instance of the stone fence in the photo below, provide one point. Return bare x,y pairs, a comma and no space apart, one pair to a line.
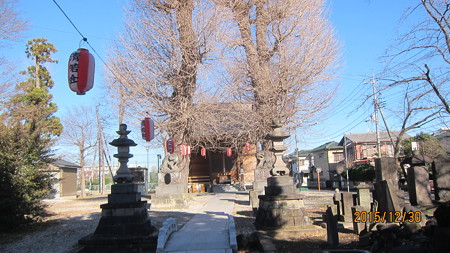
169,226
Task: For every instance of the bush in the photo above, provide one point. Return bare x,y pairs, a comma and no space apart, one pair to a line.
361,173
23,183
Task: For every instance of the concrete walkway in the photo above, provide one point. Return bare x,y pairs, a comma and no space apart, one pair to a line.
207,231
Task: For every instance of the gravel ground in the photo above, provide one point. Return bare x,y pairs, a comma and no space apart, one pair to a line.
72,219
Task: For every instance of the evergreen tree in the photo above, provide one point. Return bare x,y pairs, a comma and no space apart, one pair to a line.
27,132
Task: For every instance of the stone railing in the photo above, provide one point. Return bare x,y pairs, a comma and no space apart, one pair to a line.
169,226
232,233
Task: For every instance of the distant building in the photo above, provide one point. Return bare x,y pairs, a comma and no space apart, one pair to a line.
443,135
363,146
326,157
300,163
66,174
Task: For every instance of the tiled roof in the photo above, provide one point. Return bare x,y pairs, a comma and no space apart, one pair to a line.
328,146
60,163
372,137
443,133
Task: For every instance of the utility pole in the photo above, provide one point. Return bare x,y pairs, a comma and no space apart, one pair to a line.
375,103
346,161
101,165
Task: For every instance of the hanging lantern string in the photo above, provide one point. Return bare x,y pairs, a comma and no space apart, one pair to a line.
81,41
85,40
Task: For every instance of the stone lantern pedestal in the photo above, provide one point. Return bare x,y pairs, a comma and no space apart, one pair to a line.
125,225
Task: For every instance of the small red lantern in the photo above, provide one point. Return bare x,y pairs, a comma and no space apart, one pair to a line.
203,152
229,152
148,129
247,146
183,150
81,71
188,150
170,145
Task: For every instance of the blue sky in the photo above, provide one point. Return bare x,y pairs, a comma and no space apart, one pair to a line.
366,29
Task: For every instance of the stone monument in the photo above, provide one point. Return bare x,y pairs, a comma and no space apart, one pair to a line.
262,172
171,191
124,224
281,208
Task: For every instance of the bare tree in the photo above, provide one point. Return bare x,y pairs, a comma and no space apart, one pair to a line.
80,130
156,64
11,28
283,56
418,67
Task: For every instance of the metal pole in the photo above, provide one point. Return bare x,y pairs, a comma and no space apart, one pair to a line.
346,161
149,177
318,180
159,157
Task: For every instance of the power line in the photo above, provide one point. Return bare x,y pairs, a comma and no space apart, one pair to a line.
87,42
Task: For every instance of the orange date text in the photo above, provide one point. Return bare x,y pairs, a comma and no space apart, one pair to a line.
389,217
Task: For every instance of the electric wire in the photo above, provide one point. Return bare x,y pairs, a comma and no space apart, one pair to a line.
86,40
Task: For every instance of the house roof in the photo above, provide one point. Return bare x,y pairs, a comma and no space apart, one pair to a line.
442,133
372,137
60,163
328,146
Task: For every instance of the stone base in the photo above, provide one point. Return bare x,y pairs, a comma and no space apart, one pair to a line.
178,201
163,189
259,185
107,243
254,200
291,233
277,212
125,224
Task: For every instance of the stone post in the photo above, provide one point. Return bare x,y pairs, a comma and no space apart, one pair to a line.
419,186
442,180
386,187
332,230
364,199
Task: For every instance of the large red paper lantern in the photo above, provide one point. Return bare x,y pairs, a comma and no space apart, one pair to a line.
148,129
170,145
81,71
229,152
203,152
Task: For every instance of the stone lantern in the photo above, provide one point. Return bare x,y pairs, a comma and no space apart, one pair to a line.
281,208
123,144
125,224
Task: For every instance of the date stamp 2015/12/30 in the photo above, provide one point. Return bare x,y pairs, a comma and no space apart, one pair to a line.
390,217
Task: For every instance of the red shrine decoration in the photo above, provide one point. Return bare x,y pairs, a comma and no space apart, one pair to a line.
170,145
81,71
148,129
188,150
183,150
247,146
203,152
229,152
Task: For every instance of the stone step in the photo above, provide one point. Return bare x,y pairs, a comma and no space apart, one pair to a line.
221,188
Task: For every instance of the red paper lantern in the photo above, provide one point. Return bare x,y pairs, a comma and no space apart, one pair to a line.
183,150
188,150
148,129
229,152
81,71
170,145
247,146
203,152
